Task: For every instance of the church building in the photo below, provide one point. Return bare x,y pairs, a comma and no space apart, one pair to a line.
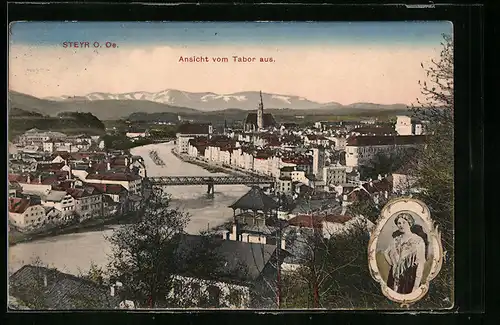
258,121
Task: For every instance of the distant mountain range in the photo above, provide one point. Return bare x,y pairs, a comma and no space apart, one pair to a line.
247,100
191,105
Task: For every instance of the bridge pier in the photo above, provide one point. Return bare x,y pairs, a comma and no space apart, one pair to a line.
210,188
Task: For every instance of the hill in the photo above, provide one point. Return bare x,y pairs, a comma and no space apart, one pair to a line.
281,115
103,109
69,123
208,101
146,110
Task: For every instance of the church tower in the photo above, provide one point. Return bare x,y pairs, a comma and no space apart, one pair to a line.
260,114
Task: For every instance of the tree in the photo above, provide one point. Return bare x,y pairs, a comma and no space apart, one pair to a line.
95,273
334,273
433,167
146,258
142,253
385,163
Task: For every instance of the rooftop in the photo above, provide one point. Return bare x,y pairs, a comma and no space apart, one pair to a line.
62,291
235,261
255,200
360,141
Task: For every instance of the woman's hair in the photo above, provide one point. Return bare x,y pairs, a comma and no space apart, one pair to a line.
416,229
408,217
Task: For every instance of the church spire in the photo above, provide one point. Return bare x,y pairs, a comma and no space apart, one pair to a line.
260,114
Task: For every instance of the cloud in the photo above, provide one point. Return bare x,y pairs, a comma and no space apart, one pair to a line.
342,74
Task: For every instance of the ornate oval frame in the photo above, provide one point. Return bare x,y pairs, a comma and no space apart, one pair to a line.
420,209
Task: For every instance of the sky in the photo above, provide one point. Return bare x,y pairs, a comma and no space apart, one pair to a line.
344,62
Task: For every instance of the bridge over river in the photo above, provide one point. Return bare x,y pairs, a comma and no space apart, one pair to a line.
210,181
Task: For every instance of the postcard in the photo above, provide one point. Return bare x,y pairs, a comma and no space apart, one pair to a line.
249,165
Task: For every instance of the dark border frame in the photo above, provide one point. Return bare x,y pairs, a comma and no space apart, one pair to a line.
468,23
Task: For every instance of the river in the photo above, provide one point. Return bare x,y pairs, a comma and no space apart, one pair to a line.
74,252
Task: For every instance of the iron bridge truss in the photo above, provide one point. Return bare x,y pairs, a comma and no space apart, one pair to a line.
209,180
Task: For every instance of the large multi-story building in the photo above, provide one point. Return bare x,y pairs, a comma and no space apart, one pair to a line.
131,182
24,213
334,175
190,131
360,150
318,161
37,138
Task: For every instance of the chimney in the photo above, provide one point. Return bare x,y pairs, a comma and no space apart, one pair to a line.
45,280
29,179
109,165
40,179
126,162
112,290
235,230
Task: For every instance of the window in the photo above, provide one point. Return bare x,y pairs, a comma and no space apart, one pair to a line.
214,294
177,286
195,290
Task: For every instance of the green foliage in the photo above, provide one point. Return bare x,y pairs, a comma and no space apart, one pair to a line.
120,141
385,163
168,131
145,258
69,123
95,273
434,168
335,275
366,208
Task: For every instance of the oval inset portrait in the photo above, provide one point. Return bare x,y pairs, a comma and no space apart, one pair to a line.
405,251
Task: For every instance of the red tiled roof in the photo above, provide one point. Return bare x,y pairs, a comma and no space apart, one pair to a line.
338,218
50,167
307,221
357,195
18,205
360,141
378,186
78,193
109,188
114,177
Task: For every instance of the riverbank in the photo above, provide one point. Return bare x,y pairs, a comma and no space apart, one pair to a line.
17,237
213,168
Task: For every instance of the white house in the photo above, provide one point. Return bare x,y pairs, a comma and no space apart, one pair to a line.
190,291
261,165
132,183
361,149
190,131
59,200
88,202
403,125
38,137
25,215
334,175
241,282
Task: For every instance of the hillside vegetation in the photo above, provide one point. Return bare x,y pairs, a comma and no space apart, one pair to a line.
69,123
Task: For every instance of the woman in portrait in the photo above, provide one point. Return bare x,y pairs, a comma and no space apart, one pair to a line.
406,255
